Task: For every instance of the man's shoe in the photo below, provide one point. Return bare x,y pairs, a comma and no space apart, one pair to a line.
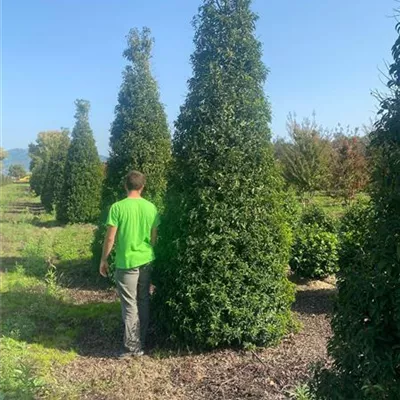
126,354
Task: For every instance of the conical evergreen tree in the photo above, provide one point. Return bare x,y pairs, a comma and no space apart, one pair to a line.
80,201
40,152
53,183
140,138
366,325
223,249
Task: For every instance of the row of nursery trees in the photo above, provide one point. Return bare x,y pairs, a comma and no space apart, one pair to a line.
67,172
227,231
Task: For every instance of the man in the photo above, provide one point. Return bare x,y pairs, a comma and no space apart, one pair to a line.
133,223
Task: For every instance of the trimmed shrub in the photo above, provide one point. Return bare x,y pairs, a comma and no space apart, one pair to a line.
80,201
140,138
315,247
314,253
314,215
221,272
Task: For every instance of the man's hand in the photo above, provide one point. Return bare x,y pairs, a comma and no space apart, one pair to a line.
103,268
107,247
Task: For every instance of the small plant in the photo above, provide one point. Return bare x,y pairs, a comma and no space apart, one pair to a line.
51,280
315,247
301,392
36,252
28,383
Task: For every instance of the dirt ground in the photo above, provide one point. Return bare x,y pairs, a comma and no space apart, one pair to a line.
263,374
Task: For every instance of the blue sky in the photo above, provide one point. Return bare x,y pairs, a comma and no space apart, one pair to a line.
323,55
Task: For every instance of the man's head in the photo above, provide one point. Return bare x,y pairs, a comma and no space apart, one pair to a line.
135,180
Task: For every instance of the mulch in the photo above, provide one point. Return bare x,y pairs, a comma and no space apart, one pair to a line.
270,373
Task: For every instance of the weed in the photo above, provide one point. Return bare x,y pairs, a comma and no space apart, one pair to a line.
301,392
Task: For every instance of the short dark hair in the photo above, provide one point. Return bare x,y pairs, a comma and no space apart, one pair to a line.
135,180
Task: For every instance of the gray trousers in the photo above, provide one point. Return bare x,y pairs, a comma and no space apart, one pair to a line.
133,286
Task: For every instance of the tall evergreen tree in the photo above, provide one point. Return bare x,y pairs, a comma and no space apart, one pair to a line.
54,180
223,250
366,324
40,153
140,138
80,200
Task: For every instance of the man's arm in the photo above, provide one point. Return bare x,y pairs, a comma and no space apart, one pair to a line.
107,247
154,235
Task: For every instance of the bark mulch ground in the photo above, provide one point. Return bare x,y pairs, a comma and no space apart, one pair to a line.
227,374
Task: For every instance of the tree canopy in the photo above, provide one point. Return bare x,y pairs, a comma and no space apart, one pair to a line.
16,171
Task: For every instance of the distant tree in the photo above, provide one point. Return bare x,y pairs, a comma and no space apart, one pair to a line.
305,158
54,180
221,272
3,154
349,166
140,138
40,152
80,200
16,171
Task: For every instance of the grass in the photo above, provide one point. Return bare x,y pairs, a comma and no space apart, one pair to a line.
335,207
41,327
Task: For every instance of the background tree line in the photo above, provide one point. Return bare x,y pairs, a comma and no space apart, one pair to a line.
316,159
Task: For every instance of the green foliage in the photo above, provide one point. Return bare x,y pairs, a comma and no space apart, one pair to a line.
366,324
314,215
80,200
292,208
54,180
301,392
40,152
37,177
355,231
305,159
315,248
3,154
5,180
16,171
314,253
140,138
224,241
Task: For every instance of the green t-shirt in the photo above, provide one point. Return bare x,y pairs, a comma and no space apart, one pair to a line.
134,218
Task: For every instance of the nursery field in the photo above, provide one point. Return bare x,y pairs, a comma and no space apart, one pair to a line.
61,327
